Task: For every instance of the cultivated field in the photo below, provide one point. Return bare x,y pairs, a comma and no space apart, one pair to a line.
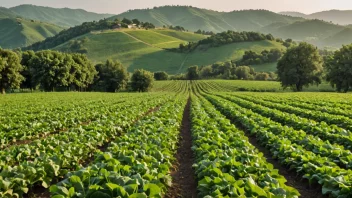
184,139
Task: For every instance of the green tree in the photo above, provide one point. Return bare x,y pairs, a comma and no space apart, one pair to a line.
161,76
193,73
127,21
300,66
51,69
112,76
270,37
136,21
262,76
206,72
272,76
10,68
82,72
142,80
244,73
339,69
27,71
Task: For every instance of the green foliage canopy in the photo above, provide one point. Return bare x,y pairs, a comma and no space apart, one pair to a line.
161,76
142,80
193,73
339,69
112,76
300,66
10,70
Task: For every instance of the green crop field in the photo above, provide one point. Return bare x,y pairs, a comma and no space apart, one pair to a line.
144,49
203,136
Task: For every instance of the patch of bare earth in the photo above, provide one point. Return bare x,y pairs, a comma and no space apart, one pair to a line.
184,181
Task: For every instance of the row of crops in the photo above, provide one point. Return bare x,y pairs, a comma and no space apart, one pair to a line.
125,145
54,135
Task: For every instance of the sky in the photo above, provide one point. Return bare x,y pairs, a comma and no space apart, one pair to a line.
119,6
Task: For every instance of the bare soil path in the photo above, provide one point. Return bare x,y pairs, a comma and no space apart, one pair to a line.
184,181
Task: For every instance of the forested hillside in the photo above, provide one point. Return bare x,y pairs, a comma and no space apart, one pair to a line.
192,18
18,32
342,17
314,31
64,17
299,26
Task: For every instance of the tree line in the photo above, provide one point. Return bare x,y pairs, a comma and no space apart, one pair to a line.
267,56
52,71
224,70
304,65
228,37
203,32
176,28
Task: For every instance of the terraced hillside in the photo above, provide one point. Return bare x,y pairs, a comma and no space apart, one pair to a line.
146,49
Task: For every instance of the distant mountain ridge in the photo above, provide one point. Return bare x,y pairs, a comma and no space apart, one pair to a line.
64,17
24,25
342,17
294,14
295,25
19,32
192,18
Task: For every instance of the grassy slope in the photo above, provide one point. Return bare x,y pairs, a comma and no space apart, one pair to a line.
233,51
190,37
19,32
266,67
145,53
64,17
155,39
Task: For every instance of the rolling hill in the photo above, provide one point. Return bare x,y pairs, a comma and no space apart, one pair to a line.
306,30
18,32
145,49
6,13
342,17
295,25
64,17
192,18
294,14
339,39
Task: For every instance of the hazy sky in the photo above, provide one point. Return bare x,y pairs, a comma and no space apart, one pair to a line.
118,6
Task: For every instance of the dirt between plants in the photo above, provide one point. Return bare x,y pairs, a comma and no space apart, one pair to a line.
184,181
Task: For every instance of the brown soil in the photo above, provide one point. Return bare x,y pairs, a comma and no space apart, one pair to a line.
38,192
184,181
